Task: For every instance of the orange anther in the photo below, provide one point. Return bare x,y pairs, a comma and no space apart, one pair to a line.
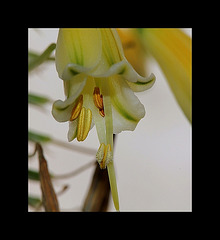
98,101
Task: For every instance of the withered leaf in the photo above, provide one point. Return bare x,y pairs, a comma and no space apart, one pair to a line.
98,195
49,197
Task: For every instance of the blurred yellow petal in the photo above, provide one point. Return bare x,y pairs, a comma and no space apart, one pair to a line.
172,49
133,50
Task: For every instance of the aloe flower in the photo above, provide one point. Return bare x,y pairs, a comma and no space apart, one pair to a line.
172,49
99,85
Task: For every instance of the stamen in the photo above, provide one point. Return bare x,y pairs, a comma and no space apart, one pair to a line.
104,155
84,124
98,98
77,108
98,101
101,112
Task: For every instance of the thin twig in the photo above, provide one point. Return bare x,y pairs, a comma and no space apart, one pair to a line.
85,150
75,172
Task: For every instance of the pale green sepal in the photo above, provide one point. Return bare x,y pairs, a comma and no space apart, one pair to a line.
132,76
75,85
127,110
125,69
142,86
72,70
121,122
72,133
116,68
61,110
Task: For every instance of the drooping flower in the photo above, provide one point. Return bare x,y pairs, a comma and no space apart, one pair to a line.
99,85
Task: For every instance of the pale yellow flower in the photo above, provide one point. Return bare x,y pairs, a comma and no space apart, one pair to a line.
99,85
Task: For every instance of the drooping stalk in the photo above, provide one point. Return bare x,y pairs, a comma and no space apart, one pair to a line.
109,140
113,184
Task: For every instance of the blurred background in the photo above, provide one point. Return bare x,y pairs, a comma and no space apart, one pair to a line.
152,163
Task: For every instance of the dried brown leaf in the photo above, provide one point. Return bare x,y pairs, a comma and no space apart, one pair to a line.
50,202
98,195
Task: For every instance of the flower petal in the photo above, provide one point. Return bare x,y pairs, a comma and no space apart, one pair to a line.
81,47
61,110
134,80
127,109
142,86
111,46
72,130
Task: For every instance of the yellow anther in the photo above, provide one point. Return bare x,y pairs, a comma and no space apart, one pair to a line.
104,155
84,124
98,101
77,108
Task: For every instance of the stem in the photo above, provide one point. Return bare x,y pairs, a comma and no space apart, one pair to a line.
75,172
85,150
113,184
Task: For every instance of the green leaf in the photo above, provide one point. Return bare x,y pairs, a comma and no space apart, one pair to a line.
36,137
34,59
32,56
33,175
34,201
37,100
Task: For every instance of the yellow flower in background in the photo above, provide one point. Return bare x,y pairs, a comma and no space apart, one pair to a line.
133,50
172,49
99,85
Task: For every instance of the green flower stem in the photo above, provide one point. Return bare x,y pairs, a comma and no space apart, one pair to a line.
113,184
